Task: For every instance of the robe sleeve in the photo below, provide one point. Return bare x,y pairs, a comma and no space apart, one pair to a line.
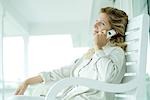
110,66
57,74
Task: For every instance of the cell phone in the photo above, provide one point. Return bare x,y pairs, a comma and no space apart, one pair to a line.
111,33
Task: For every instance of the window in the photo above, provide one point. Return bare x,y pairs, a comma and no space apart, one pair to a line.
48,52
13,57
45,52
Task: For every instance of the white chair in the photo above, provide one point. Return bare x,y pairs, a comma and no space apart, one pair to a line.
133,84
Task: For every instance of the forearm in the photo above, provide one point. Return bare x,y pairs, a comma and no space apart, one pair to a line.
34,80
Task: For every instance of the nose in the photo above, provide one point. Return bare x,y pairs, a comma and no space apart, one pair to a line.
95,29
96,24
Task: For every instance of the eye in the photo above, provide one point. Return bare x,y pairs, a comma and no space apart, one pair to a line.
101,23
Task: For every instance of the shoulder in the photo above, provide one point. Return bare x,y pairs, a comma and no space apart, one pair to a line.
114,50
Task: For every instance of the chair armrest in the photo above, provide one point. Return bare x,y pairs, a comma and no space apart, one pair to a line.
94,84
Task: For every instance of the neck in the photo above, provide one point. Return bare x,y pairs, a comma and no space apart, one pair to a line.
96,48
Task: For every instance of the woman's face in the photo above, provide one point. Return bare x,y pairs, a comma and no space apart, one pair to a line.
102,23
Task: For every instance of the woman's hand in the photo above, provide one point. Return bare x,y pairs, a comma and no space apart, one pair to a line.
33,80
100,39
22,88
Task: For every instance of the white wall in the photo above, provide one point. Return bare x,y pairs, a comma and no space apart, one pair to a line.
12,27
12,14
1,12
1,57
78,30
139,6
125,5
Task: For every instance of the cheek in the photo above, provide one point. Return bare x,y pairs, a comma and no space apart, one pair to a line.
102,28
107,28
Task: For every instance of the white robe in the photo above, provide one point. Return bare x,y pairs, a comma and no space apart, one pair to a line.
107,65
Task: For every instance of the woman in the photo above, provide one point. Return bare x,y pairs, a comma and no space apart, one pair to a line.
106,61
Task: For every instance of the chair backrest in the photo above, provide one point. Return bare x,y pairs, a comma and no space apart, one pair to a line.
136,39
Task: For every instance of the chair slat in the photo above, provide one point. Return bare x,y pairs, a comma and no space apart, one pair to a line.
131,67
127,78
125,96
133,26
132,46
120,98
132,57
132,36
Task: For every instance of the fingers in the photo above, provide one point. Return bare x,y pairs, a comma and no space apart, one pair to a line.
17,91
21,90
